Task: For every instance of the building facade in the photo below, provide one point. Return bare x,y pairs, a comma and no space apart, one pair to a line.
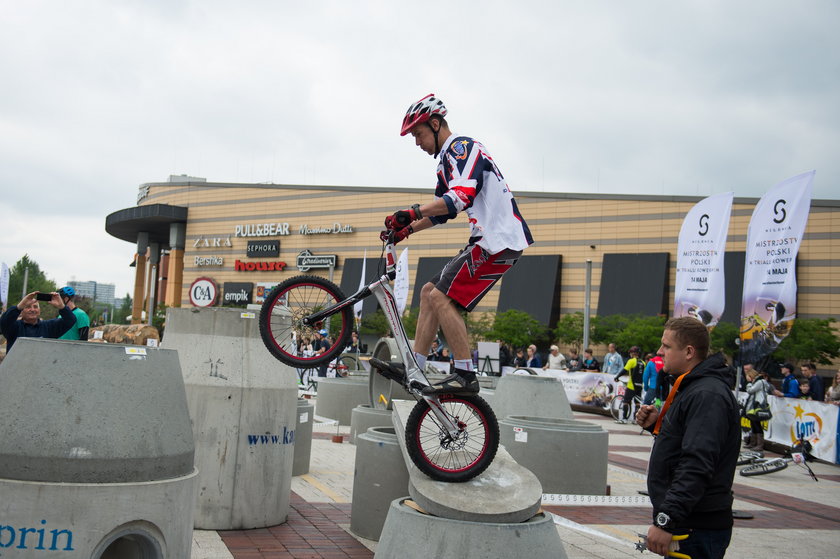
243,238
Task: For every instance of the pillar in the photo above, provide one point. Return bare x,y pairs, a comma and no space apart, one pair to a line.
175,274
139,278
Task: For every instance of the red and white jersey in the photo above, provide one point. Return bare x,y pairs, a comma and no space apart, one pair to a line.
469,180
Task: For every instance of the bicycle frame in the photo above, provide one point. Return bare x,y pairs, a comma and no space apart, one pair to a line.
415,378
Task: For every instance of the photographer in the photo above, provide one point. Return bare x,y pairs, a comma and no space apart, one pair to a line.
30,324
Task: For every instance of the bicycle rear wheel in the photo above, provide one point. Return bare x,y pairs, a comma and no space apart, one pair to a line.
442,458
617,407
768,467
282,314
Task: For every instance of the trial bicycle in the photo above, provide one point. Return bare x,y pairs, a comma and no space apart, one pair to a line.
757,464
449,437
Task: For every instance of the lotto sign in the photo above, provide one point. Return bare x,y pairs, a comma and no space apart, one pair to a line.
203,292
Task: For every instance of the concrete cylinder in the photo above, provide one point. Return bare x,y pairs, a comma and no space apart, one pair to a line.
531,395
303,437
409,534
383,390
566,455
338,396
380,476
364,417
243,404
96,452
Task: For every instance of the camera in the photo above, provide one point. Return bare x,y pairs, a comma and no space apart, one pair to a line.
43,296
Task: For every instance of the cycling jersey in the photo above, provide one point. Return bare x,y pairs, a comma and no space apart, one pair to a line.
469,180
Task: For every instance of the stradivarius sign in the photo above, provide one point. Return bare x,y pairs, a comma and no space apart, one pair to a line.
306,261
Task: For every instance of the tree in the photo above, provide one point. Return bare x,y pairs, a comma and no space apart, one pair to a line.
642,331
375,324
36,281
122,314
409,320
569,329
518,328
605,329
810,339
479,326
723,338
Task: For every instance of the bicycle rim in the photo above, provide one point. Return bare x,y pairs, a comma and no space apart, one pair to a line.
282,314
615,407
456,460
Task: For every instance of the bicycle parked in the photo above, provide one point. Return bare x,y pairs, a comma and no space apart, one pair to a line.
449,437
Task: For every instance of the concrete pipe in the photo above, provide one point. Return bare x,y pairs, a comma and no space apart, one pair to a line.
364,417
531,395
338,396
380,476
97,452
383,390
409,534
243,405
303,437
566,455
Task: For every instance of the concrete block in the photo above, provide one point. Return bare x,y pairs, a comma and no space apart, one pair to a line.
338,396
531,395
409,534
383,390
566,455
243,404
364,417
379,477
504,492
92,413
96,453
303,436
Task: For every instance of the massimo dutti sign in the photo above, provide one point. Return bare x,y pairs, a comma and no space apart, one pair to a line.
259,249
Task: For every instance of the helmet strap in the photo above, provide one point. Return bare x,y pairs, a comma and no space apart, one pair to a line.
435,132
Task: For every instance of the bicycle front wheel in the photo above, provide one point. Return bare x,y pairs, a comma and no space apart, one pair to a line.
768,467
439,456
281,320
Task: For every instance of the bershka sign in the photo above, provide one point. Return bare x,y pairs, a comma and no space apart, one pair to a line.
306,261
203,292
215,242
237,293
240,266
263,249
209,261
261,230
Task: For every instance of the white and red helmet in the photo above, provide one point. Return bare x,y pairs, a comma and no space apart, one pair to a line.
421,111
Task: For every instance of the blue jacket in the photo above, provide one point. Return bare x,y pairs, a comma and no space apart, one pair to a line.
790,387
649,377
13,328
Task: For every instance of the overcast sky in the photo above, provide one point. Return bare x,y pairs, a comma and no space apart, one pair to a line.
630,97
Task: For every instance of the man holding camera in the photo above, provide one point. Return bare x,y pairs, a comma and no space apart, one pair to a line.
30,324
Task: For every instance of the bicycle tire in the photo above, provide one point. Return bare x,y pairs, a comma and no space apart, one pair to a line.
761,468
349,361
282,313
616,405
453,461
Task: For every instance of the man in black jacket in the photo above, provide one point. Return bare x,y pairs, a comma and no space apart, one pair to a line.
692,462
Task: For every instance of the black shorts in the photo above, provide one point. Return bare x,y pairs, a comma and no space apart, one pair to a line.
469,276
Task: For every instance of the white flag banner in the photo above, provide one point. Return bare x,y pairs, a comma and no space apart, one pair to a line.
768,309
357,308
4,284
700,287
401,281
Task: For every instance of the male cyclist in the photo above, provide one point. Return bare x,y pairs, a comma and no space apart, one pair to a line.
468,180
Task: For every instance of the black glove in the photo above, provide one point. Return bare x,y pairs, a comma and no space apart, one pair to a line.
403,218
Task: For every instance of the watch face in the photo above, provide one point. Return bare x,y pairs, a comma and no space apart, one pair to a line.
662,519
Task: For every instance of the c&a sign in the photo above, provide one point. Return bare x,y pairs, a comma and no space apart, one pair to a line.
203,292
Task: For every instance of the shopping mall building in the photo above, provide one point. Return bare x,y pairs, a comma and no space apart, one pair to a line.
240,239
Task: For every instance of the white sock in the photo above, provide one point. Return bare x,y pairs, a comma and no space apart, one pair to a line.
464,364
421,360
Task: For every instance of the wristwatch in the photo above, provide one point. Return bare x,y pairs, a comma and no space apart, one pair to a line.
664,522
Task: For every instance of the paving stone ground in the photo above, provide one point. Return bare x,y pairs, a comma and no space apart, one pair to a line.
792,514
